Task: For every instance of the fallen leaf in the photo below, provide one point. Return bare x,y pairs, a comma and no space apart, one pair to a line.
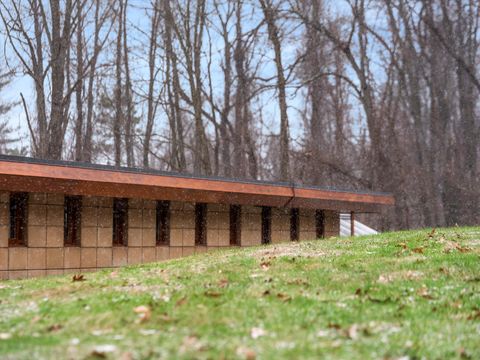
334,326
444,270
54,327
283,297
246,353
384,279
418,250
423,292
474,316
452,245
266,293
212,294
223,283
144,313
101,351
464,354
257,332
402,245
78,277
265,265
457,304
352,332
181,302
431,234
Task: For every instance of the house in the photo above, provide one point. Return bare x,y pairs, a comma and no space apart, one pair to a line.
59,216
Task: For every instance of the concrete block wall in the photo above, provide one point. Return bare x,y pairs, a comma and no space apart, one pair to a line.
45,253
332,223
280,225
308,226
251,219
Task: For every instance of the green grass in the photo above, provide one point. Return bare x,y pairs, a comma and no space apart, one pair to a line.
406,294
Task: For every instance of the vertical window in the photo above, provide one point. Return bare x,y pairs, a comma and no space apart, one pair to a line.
320,223
200,224
266,225
294,224
18,219
235,224
163,223
120,222
72,220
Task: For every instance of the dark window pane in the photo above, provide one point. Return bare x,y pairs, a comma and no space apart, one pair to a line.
120,222
235,224
294,224
200,224
266,225
320,223
18,219
163,223
72,220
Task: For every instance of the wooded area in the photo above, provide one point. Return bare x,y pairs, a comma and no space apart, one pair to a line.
374,95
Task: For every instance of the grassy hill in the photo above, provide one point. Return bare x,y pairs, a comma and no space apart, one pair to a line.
407,294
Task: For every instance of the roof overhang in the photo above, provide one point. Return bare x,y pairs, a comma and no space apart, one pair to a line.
32,175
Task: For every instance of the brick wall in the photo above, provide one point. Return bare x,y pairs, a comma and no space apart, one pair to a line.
46,255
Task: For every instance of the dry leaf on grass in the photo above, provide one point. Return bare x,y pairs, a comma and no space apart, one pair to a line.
474,316
213,294
284,297
144,313
424,292
418,250
452,245
384,279
246,353
101,351
54,327
223,283
265,265
352,332
181,302
78,277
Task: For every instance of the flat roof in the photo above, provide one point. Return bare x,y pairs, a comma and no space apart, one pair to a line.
19,173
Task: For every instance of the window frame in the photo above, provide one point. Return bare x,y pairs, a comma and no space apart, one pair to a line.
17,225
294,224
266,225
200,224
120,222
162,225
72,221
235,225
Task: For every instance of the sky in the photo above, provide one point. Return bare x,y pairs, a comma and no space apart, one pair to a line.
267,102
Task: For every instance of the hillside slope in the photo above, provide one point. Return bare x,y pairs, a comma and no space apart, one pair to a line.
407,294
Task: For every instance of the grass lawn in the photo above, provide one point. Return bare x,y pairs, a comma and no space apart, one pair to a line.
400,295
